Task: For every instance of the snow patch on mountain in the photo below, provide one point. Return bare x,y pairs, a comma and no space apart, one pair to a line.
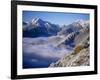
40,28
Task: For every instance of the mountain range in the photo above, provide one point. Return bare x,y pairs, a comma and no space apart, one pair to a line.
39,28
52,45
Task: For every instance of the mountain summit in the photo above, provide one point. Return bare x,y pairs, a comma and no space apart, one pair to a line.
40,28
74,27
36,20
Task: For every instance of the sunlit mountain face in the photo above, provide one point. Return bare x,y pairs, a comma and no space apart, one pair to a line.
45,42
39,28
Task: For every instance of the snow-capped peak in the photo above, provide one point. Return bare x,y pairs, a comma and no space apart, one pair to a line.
83,23
36,20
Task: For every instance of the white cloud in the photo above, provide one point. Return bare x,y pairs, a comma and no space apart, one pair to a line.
34,60
44,50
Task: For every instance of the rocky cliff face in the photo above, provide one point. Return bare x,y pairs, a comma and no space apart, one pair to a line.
79,57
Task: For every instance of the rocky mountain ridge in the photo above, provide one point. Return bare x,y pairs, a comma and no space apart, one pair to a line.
80,55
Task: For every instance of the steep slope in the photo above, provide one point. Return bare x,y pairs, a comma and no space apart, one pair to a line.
80,54
39,28
80,59
74,27
74,37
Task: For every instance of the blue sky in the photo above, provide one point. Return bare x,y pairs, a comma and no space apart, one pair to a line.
55,17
